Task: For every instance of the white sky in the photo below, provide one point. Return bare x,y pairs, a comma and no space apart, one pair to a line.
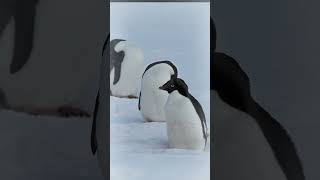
179,32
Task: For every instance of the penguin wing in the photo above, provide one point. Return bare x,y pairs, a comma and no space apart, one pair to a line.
201,115
233,86
117,68
24,17
139,107
116,59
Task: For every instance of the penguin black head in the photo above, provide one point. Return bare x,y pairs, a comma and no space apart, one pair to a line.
176,84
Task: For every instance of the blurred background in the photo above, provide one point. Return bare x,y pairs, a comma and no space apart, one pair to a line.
277,45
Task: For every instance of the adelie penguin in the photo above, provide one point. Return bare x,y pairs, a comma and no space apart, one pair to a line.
248,142
152,99
186,122
126,68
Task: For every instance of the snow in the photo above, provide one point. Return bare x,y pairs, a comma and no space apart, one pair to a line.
139,150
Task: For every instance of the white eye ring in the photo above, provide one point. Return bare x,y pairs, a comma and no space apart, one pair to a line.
172,85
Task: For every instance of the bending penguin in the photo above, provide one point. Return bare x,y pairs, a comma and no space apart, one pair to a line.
152,99
126,68
186,122
99,135
244,131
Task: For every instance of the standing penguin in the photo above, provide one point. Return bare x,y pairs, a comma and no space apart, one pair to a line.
249,142
186,122
126,68
152,99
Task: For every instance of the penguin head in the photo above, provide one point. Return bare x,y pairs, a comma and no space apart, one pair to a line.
175,84
158,73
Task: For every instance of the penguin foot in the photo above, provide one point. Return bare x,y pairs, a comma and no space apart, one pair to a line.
67,111
132,97
147,120
126,97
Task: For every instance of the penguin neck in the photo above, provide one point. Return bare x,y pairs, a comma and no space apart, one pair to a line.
182,91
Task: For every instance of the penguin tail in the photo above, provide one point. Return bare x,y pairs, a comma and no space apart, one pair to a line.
282,145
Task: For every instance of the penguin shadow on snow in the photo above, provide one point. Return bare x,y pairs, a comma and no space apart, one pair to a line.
232,86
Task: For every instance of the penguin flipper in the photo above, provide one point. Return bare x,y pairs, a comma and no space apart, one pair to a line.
24,17
139,106
94,144
201,115
116,59
117,72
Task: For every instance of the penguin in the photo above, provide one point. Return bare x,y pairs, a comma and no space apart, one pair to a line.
23,14
186,122
99,135
126,68
248,141
152,99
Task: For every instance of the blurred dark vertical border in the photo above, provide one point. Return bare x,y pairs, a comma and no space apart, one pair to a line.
277,44
39,41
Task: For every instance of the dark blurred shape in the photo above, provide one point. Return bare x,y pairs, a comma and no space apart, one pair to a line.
233,86
23,13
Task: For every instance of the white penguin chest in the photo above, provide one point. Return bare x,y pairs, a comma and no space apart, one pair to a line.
183,123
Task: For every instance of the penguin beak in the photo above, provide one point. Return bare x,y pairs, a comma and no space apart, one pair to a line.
162,88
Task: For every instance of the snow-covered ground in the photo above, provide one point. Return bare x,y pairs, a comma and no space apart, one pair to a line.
139,150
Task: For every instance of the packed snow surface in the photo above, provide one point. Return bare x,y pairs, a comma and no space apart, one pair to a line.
139,150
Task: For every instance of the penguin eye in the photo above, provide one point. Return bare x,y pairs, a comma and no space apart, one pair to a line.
172,85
